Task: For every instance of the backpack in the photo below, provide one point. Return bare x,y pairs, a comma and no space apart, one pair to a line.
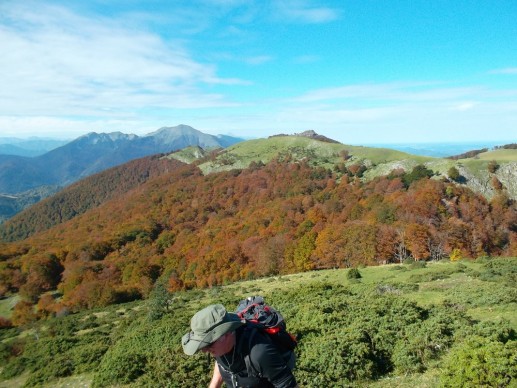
261,318
257,313
265,318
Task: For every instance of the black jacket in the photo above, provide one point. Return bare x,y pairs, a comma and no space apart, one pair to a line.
256,361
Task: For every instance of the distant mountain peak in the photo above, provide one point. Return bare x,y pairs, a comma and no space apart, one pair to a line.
94,137
181,129
311,135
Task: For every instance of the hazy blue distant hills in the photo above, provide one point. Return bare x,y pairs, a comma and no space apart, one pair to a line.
28,147
440,150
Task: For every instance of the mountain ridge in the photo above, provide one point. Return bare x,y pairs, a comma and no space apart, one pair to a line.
308,145
94,152
90,154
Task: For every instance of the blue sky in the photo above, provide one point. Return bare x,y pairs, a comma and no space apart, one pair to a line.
368,71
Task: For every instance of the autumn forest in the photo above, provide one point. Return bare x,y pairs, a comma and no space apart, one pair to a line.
192,230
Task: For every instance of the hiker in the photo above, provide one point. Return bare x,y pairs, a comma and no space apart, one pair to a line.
244,356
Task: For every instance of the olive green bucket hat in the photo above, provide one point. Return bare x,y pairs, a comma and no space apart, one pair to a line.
207,326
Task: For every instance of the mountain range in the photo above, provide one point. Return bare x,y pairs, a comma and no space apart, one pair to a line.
25,181
22,178
318,151
95,152
30,147
260,207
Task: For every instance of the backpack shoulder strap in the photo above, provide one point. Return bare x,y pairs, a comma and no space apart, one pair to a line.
251,370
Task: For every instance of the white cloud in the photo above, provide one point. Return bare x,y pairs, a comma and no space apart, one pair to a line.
306,59
55,62
396,91
304,11
508,70
465,106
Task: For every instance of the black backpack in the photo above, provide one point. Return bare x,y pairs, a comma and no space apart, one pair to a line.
261,318
268,320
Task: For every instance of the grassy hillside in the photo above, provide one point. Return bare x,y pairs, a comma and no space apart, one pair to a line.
317,152
500,155
378,161
189,154
444,323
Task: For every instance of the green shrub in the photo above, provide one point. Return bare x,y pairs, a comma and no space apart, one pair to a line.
418,264
398,268
427,277
128,359
481,362
459,267
169,367
5,352
499,331
14,368
396,288
426,340
472,272
89,322
482,294
353,273
61,366
11,332
348,335
127,368
88,357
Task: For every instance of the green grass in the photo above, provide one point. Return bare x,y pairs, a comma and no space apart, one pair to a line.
499,155
429,379
447,278
7,305
188,154
16,382
316,152
483,290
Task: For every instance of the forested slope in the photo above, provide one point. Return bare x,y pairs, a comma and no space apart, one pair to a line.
84,195
191,230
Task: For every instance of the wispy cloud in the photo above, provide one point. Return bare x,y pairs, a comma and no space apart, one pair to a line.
465,106
507,70
305,12
56,62
386,92
305,59
258,60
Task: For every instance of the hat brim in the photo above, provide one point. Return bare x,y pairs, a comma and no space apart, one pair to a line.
193,342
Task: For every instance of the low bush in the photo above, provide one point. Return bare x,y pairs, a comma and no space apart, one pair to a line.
61,366
353,273
427,277
398,268
483,294
396,288
481,362
418,264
